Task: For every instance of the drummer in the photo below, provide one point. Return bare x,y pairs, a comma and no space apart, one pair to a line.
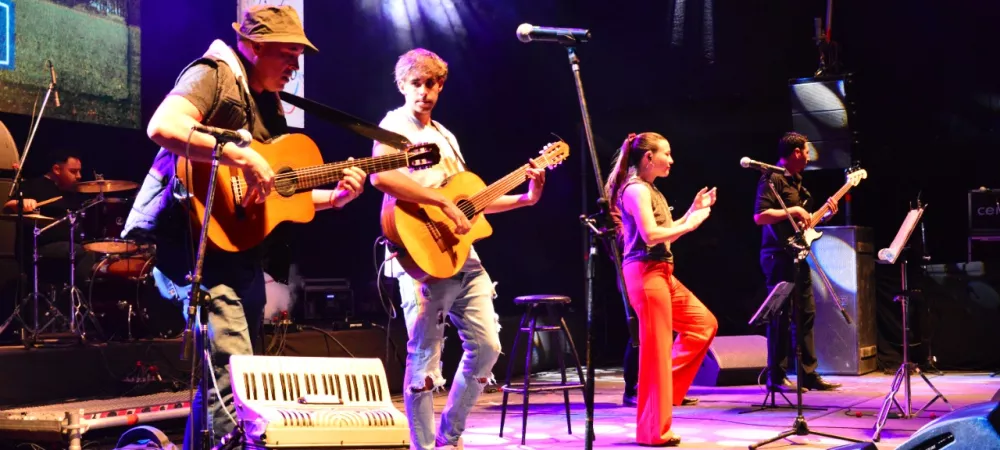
57,183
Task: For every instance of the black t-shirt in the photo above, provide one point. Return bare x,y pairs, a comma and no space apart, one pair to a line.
41,189
775,237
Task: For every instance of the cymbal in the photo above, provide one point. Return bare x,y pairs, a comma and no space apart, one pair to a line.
38,217
98,186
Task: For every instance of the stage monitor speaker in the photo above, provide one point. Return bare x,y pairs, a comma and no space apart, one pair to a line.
975,426
847,256
821,111
733,361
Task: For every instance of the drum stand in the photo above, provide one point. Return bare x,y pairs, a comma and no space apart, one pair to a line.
79,306
29,335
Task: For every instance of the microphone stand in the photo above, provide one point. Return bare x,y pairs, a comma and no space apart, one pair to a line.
198,304
16,194
799,248
594,233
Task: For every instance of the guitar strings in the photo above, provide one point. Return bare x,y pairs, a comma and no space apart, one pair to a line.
380,162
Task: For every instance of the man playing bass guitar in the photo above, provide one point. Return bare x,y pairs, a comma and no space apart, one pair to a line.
778,265
468,296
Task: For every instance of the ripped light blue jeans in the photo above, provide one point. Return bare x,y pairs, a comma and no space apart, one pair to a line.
467,299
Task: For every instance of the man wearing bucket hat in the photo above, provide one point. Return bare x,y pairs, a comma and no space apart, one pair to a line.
231,89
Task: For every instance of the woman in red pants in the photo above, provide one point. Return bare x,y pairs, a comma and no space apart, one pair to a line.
646,230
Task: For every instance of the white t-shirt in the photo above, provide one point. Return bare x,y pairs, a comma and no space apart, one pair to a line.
401,121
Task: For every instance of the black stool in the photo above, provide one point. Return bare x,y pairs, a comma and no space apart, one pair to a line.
553,307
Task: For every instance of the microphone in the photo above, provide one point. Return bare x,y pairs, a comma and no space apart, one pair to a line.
55,88
241,137
748,163
527,33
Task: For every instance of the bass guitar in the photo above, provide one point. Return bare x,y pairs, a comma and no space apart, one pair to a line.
853,176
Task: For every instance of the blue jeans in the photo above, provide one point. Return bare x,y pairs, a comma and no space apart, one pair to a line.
467,299
237,292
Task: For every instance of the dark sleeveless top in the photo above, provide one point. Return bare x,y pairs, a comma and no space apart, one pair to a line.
635,248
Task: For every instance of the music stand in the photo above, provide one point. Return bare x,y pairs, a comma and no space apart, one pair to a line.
890,256
771,306
775,300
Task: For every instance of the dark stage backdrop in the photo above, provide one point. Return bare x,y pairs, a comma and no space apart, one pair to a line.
926,94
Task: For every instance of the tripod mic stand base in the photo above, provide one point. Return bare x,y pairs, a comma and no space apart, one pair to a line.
800,428
902,379
772,396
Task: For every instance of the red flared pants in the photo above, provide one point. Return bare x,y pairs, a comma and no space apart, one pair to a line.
666,367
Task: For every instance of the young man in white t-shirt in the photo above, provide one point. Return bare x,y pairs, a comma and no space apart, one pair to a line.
466,298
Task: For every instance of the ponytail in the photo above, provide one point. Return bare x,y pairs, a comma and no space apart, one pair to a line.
616,181
625,165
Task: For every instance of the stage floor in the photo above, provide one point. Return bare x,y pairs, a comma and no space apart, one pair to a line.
715,422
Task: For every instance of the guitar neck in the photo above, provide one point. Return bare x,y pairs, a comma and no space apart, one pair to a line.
487,196
817,217
315,176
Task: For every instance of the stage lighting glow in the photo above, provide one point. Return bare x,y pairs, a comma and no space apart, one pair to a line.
609,429
834,249
414,19
685,431
745,433
536,436
486,430
483,439
737,444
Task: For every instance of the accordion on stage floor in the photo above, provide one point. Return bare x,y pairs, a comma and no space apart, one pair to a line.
298,402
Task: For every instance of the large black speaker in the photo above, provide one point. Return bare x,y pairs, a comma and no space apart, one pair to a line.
847,256
821,111
733,361
972,427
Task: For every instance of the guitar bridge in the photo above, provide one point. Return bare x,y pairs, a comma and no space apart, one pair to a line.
237,188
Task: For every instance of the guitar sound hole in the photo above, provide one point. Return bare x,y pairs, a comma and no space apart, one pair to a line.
285,182
467,207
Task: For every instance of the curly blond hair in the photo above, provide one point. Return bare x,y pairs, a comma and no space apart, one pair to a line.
421,62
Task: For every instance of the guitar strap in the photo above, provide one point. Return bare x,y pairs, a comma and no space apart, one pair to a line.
347,121
450,144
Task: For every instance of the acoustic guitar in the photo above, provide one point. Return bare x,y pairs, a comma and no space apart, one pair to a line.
429,247
298,169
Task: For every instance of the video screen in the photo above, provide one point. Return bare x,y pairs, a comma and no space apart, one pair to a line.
93,46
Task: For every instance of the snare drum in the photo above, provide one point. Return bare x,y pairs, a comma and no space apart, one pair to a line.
103,225
127,303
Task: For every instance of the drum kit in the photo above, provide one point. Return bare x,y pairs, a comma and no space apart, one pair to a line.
122,302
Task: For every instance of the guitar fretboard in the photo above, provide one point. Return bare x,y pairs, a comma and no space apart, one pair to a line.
817,217
315,176
482,199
